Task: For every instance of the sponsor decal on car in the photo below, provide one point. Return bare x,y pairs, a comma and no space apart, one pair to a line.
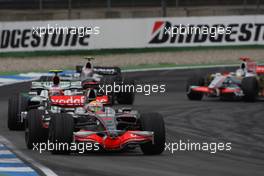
68,100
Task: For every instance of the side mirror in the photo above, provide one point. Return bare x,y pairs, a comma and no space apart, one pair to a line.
44,93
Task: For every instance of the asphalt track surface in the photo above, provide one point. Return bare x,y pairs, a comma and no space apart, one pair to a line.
209,120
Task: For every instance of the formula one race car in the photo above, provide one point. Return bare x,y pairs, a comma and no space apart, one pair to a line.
31,100
246,83
110,129
77,120
94,77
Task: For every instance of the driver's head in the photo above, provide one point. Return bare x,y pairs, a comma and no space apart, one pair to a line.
88,65
87,70
95,106
243,66
56,80
240,72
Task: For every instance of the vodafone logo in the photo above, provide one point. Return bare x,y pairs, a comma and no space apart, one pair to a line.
68,100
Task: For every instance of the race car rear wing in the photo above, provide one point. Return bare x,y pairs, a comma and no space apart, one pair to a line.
252,66
260,70
248,64
102,70
63,85
107,70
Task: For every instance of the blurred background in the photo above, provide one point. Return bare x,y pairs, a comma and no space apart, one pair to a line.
70,10
23,10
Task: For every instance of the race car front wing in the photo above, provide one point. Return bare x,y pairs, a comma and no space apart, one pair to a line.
112,140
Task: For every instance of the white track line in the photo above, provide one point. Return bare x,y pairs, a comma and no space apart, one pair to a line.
15,82
5,152
34,163
10,160
36,75
16,169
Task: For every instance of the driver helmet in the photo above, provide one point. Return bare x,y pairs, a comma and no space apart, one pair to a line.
243,65
240,72
56,80
87,69
95,106
88,65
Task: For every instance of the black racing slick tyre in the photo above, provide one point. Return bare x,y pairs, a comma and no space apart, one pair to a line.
78,68
194,81
153,122
34,130
250,89
127,97
61,133
16,105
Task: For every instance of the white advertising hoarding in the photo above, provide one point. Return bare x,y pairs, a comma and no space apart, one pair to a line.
130,33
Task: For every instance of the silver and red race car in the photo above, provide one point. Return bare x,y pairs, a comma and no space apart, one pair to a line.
246,83
98,78
76,119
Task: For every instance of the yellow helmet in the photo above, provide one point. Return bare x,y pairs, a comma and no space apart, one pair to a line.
95,106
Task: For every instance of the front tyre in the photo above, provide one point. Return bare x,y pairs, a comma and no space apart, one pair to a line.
250,88
194,81
16,105
34,131
61,132
153,122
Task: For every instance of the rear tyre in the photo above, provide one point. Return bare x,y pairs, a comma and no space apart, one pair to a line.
250,89
153,122
34,131
78,68
194,81
127,97
61,132
16,105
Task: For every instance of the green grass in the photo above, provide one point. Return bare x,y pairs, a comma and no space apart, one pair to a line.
141,66
120,51
124,51
9,73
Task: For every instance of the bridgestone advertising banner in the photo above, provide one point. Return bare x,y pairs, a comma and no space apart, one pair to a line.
131,33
